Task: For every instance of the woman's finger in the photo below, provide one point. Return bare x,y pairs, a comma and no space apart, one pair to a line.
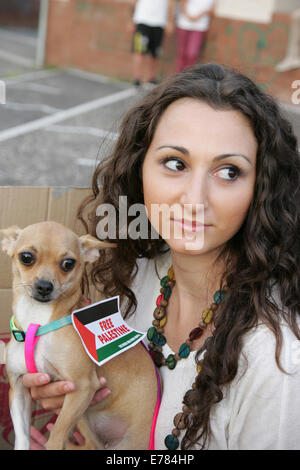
37,441
52,390
35,380
77,436
100,395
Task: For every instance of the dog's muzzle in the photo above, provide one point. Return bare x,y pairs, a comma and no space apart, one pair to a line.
42,291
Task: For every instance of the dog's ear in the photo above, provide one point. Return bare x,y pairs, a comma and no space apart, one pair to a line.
90,247
9,237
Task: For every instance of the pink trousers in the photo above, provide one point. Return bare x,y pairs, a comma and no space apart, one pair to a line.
188,47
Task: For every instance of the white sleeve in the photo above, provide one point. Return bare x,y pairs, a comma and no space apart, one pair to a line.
265,402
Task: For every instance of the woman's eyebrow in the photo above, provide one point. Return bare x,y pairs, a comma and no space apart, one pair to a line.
185,151
175,147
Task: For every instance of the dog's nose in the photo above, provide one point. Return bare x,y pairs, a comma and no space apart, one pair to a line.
44,288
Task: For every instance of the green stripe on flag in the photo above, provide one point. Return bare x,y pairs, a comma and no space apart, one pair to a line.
117,345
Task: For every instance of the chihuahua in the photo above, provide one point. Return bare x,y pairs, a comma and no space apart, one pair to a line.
48,262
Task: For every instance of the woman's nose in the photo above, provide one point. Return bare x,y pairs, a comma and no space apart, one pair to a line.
195,190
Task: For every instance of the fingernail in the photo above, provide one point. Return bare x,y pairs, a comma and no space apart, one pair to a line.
68,388
43,379
102,381
106,393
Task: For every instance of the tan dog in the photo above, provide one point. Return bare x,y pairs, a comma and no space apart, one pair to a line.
48,263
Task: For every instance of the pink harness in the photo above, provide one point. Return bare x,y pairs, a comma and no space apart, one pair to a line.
30,342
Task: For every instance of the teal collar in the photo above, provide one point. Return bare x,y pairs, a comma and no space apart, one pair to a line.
19,335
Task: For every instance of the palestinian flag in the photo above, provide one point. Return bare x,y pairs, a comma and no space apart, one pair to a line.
102,330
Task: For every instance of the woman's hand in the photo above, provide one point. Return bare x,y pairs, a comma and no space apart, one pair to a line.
52,394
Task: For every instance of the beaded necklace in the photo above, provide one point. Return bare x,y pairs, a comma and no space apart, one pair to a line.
158,340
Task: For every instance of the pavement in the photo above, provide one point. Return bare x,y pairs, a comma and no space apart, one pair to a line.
56,125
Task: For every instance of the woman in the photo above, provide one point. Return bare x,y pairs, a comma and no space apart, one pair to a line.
193,22
225,329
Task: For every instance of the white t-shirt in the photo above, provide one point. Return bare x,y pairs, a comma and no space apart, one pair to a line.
151,12
260,409
195,7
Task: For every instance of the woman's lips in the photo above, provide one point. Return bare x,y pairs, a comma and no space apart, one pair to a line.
191,225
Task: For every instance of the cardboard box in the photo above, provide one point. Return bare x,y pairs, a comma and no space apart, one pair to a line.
23,206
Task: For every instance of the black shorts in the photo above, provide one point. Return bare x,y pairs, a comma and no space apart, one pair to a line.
148,39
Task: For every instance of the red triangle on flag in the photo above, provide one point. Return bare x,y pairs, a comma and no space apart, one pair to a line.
87,337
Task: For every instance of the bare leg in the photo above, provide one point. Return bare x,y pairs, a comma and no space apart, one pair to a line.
138,65
153,66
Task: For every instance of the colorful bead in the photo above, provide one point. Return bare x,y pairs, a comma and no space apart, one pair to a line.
171,274
157,357
164,281
167,293
159,313
151,333
159,339
219,296
159,298
171,362
185,409
171,442
196,333
187,394
207,315
162,322
184,350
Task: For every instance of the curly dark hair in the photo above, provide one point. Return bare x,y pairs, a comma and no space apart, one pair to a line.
263,254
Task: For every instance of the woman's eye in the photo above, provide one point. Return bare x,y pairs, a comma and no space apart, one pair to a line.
67,264
230,173
174,164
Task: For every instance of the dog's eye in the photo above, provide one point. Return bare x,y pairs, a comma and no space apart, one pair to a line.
67,264
27,258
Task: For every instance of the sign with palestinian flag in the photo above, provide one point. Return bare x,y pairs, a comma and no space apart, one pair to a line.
102,330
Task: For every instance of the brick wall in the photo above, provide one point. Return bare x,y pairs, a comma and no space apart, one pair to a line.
92,35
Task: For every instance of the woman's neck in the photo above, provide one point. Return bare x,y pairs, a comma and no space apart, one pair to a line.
196,274
197,279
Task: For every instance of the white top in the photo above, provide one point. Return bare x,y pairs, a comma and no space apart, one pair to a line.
151,12
260,409
195,7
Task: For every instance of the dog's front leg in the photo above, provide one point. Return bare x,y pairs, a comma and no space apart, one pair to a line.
20,410
74,406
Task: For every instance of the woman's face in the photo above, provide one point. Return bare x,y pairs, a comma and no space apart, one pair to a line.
202,163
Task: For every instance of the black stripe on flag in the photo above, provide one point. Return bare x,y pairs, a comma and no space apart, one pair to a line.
97,311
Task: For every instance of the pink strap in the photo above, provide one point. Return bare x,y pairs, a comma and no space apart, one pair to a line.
158,401
157,406
30,342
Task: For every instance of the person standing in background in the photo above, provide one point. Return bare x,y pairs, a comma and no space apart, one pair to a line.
151,19
193,20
